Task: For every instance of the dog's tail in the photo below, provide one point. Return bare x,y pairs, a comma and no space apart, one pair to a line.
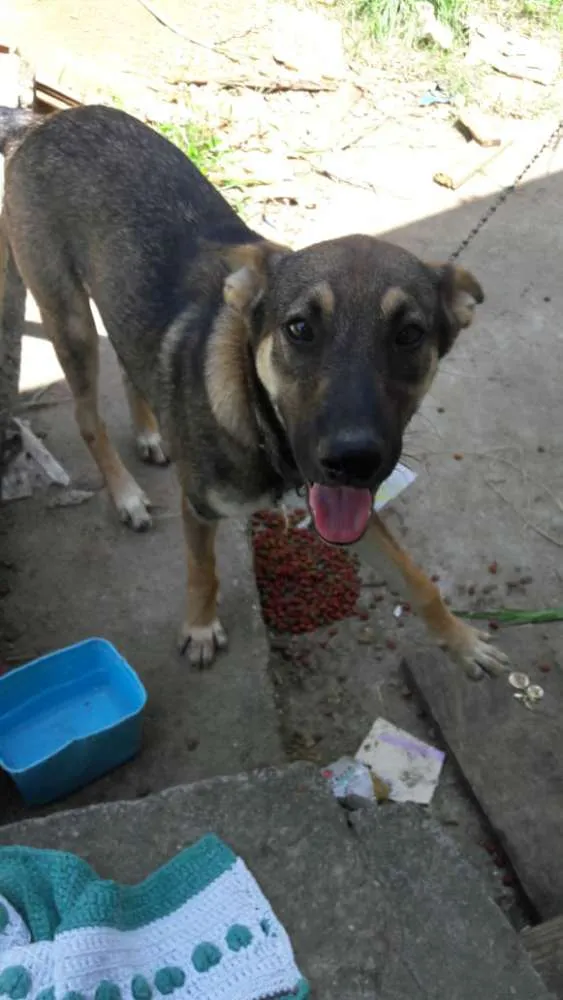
14,123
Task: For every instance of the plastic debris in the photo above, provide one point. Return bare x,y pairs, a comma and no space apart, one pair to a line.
71,498
519,681
31,466
353,784
408,766
394,485
528,694
435,96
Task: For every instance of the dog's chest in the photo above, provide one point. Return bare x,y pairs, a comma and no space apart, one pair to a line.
229,503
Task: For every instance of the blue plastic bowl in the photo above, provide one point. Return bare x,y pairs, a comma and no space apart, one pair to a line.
67,718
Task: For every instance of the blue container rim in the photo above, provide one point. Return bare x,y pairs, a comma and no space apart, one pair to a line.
103,729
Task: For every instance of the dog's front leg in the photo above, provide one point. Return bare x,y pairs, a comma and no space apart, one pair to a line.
466,646
202,632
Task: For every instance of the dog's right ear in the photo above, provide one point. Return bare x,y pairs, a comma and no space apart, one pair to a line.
250,267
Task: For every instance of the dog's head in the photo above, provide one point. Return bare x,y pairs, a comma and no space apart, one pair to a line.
346,337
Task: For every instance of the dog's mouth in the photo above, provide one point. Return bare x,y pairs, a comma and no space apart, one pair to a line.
340,513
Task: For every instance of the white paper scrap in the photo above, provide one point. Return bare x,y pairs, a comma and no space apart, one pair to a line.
410,767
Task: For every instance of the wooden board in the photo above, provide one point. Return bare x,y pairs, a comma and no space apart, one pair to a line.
464,166
512,759
544,945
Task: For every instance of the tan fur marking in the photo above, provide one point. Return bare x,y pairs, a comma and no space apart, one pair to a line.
462,292
144,420
265,368
242,288
419,391
421,592
224,375
324,295
467,646
392,300
253,255
202,588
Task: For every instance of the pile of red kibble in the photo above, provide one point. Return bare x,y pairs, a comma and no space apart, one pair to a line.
303,582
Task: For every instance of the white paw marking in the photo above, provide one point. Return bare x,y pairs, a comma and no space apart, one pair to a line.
473,651
150,449
133,506
201,642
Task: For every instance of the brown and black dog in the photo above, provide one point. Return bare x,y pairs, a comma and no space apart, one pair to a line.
265,369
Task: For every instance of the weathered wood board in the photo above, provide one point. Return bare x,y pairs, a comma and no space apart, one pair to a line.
544,945
512,759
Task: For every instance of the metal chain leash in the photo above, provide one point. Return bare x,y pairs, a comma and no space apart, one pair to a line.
552,140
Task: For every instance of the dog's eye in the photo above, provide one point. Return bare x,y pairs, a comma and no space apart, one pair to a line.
409,337
299,330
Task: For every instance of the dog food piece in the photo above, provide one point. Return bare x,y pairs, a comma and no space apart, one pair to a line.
303,583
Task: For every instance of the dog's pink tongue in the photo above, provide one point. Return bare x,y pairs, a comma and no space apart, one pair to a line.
340,513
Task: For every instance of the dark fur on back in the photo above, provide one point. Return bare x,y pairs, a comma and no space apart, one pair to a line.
125,214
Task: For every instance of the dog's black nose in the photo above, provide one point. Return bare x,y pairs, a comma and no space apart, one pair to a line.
351,457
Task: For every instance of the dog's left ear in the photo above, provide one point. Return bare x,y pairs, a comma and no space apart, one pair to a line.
250,267
459,293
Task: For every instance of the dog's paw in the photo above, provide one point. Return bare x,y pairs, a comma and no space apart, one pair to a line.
473,652
133,507
201,642
150,448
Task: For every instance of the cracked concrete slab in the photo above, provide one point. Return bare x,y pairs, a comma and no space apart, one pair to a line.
383,906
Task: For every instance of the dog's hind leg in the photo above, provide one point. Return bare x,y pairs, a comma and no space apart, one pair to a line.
145,424
202,632
70,326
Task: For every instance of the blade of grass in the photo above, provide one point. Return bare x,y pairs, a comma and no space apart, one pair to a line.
507,616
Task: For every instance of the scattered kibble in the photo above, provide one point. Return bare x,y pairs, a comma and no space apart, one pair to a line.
303,583
493,567
458,455
391,644
493,626
545,667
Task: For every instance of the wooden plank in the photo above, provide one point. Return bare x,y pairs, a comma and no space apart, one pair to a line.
473,159
487,130
544,945
512,759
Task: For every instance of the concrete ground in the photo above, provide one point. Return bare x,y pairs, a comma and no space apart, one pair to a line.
68,573
71,572
382,906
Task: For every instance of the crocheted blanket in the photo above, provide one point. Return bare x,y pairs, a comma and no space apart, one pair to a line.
198,928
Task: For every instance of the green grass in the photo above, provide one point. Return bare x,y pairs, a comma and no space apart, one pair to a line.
397,19
198,141
387,19
201,144
546,14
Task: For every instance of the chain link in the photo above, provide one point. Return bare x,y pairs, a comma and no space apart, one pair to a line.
552,140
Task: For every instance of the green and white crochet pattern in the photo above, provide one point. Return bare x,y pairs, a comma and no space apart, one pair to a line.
197,929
